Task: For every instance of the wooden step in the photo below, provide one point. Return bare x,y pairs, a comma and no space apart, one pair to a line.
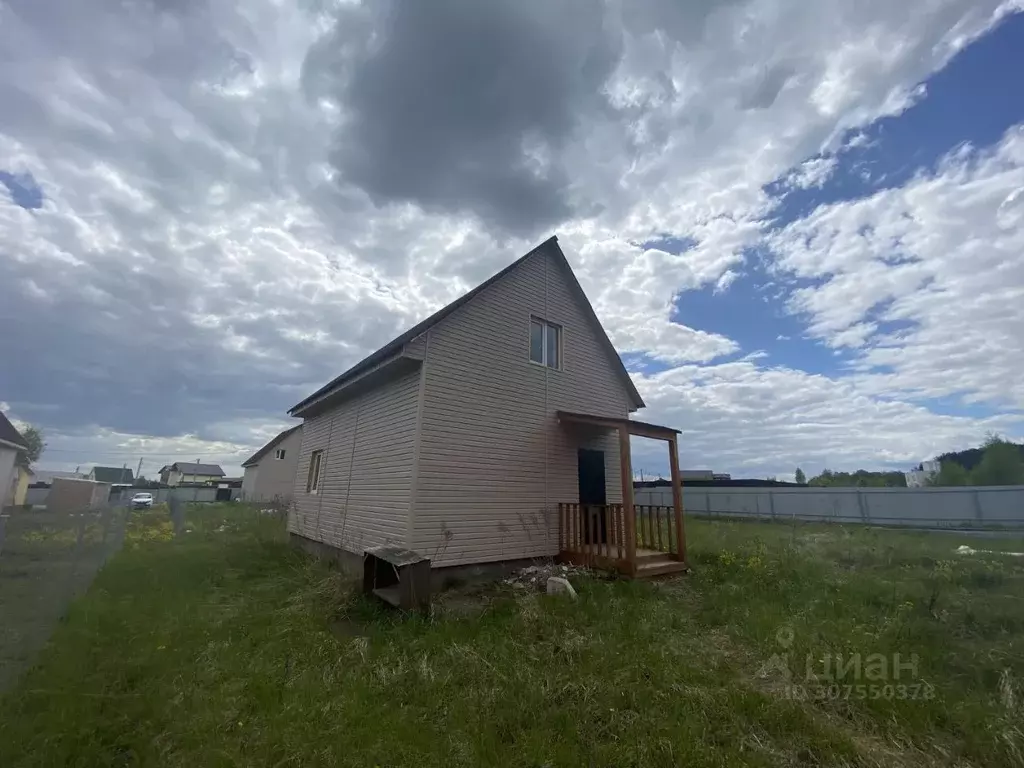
650,569
649,556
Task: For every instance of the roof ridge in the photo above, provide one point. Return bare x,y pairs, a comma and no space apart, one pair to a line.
266,448
551,244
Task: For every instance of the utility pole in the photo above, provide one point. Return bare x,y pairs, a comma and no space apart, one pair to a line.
195,480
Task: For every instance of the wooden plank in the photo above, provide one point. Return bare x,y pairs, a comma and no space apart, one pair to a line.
677,500
588,522
626,469
609,518
569,544
651,431
611,531
619,524
658,516
575,527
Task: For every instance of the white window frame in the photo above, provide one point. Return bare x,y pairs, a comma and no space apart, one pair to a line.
279,454
316,471
548,327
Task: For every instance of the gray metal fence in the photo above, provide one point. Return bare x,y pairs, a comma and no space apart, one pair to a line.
37,496
46,559
964,508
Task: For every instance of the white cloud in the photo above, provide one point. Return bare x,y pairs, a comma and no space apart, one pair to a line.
939,257
814,172
754,422
198,262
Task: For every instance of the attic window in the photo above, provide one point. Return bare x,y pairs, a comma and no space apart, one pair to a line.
545,343
313,479
279,454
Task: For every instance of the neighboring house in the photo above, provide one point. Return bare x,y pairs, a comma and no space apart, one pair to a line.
23,477
11,444
114,476
917,478
270,472
475,437
185,473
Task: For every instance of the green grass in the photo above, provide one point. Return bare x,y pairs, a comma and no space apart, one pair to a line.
46,560
225,647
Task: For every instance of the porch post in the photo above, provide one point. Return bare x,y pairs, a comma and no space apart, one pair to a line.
677,498
627,497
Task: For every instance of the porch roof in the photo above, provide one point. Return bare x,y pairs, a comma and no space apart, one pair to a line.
634,427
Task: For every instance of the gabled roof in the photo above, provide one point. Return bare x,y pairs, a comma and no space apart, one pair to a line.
254,459
395,345
193,468
113,475
9,436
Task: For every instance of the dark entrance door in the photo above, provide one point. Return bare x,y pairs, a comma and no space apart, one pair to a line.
592,492
223,494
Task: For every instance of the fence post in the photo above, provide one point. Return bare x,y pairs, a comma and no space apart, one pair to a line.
108,517
771,502
860,506
3,530
79,543
979,516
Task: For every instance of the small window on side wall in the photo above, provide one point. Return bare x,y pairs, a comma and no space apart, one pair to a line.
313,479
279,453
545,343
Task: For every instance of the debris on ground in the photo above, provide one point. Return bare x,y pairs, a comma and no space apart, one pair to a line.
536,576
963,549
558,585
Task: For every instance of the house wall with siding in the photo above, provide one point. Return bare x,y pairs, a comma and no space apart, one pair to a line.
493,461
274,478
367,468
7,474
249,477
177,478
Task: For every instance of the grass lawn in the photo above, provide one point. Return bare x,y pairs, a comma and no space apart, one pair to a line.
46,560
224,647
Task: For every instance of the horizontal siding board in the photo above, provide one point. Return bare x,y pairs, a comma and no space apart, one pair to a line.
367,469
493,461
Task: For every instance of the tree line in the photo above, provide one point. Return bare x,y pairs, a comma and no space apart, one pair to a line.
862,478
996,462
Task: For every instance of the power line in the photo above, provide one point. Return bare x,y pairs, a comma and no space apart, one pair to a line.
133,454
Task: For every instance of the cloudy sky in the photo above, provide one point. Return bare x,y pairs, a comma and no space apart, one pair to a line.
802,224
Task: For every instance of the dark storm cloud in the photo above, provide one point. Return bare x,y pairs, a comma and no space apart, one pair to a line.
766,89
127,348
459,105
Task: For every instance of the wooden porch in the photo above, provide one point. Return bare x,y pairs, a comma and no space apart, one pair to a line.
640,541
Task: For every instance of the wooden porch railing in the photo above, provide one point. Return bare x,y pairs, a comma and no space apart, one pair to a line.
606,536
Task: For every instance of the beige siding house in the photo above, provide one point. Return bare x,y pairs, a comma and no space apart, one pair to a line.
270,472
186,473
496,430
